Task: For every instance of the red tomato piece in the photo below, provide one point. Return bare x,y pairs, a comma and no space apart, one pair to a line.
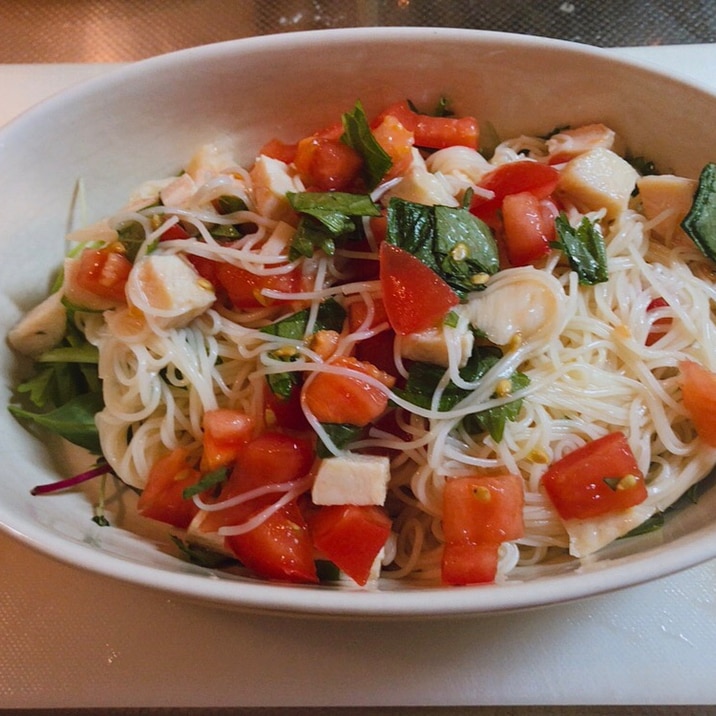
279,548
174,232
661,325
698,388
162,498
285,412
351,536
483,509
415,297
327,164
466,563
276,149
434,132
513,178
244,288
335,398
358,311
104,272
595,479
226,432
527,234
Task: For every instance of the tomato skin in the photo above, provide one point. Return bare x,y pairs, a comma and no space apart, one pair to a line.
327,164
334,398
434,132
162,498
661,325
513,178
527,234
351,536
415,297
104,273
467,563
226,432
483,509
276,149
576,484
244,288
698,388
280,548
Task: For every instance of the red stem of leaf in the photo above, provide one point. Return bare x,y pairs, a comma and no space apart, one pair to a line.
71,481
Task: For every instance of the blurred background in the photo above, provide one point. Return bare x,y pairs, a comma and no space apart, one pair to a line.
69,31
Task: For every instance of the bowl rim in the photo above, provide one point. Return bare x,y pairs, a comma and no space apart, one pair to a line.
682,553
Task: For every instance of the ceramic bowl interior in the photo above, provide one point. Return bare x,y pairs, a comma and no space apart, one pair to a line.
145,121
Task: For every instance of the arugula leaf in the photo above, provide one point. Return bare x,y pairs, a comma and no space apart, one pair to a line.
584,248
423,379
74,420
357,135
458,246
341,434
207,481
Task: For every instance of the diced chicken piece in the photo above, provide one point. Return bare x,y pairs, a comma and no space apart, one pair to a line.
80,297
211,159
168,288
351,480
518,305
599,179
100,232
570,143
147,193
588,536
280,240
668,198
461,162
433,345
179,192
272,179
420,186
41,328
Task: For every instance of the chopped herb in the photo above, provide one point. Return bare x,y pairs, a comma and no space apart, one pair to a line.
327,571
229,204
202,556
131,235
330,317
700,222
451,241
341,434
357,135
283,384
584,248
207,481
644,166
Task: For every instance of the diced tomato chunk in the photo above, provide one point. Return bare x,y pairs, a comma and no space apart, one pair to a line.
698,388
161,498
398,142
434,132
351,536
226,432
415,297
466,563
483,509
327,164
285,412
244,287
527,234
276,149
598,478
358,312
279,548
104,272
338,398
661,325
174,232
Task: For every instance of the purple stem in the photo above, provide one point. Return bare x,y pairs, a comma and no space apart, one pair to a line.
71,481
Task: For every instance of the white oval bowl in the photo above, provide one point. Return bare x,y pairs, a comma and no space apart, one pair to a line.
145,121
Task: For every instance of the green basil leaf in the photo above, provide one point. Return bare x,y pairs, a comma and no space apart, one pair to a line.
584,248
330,317
131,234
202,556
341,434
357,135
700,223
207,481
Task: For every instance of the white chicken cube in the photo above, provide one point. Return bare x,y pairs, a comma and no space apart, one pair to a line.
599,179
668,198
167,288
569,143
351,480
41,328
211,159
272,180
179,192
421,187
434,345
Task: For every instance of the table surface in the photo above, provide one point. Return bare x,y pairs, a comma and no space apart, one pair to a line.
73,639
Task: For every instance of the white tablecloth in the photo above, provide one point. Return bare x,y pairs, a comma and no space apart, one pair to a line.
72,639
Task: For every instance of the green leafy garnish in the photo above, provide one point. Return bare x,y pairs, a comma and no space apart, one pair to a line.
327,218
700,223
341,434
202,556
584,248
423,380
357,135
131,235
330,317
207,481
458,246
